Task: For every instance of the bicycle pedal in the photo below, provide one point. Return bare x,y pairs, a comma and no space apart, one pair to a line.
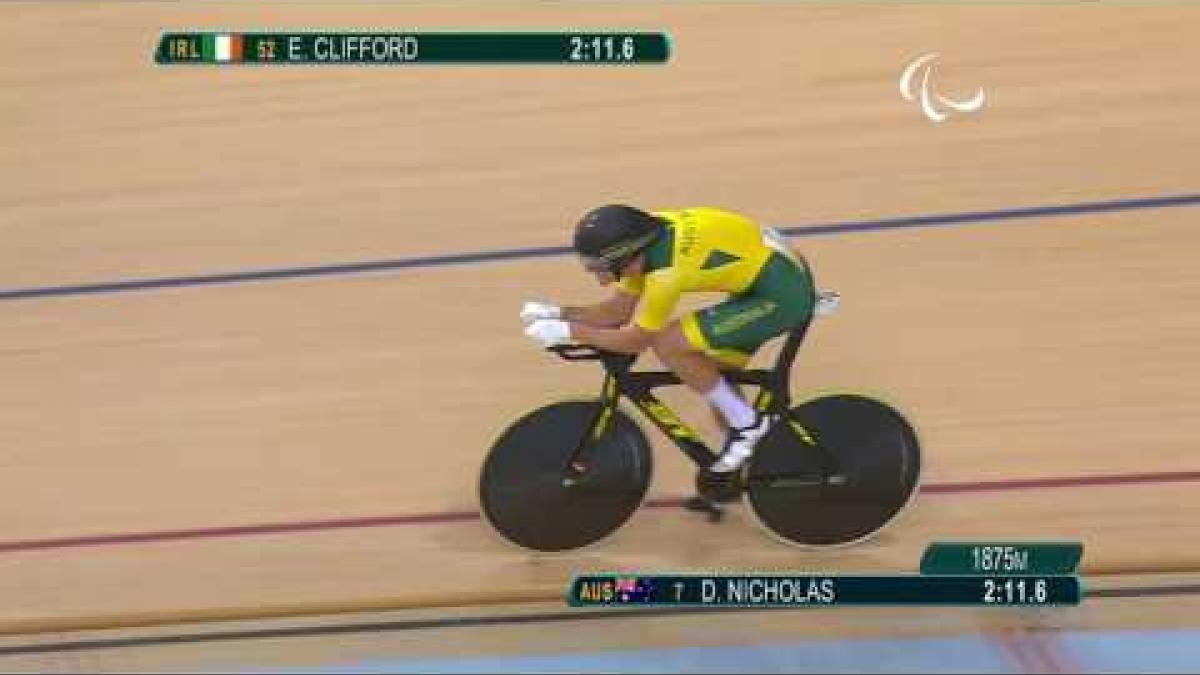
719,487
711,509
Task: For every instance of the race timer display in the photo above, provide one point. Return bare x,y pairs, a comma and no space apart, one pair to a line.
1012,574
369,48
783,591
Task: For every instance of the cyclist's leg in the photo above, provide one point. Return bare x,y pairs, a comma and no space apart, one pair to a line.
697,365
683,349
781,300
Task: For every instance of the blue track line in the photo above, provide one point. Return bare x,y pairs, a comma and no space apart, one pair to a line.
392,265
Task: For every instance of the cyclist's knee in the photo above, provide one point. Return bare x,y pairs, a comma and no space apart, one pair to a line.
671,340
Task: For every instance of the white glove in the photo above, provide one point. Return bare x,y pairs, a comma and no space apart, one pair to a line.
549,332
533,311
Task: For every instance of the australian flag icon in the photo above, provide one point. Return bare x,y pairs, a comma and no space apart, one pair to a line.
633,589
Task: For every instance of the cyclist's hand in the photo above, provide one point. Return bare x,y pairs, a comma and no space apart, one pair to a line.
549,332
534,311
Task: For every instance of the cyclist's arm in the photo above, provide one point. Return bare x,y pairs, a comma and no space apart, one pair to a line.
613,312
659,297
627,339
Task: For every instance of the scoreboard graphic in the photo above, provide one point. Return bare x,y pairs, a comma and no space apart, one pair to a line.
398,48
1012,574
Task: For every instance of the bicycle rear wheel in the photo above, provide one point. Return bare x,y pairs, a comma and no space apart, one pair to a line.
878,466
522,490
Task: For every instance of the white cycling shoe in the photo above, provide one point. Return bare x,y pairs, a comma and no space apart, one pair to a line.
740,443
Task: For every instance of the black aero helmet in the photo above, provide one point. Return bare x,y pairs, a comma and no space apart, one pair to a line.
612,235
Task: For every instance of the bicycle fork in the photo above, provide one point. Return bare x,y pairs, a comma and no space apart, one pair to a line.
578,461
766,401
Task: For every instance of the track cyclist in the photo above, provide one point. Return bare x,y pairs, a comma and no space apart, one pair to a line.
655,257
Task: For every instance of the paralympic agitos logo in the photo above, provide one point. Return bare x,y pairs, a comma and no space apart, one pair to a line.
933,104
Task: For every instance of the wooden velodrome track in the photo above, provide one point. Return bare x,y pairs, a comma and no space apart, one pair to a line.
348,414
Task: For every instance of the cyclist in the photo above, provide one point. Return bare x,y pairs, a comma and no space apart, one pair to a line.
655,257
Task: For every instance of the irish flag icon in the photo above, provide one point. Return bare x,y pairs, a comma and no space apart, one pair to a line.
221,47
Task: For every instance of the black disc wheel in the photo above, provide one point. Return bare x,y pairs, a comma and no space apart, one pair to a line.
528,496
835,473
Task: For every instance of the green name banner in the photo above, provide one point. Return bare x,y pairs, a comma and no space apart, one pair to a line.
819,591
1014,557
363,48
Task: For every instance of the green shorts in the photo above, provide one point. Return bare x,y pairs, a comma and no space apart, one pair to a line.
780,299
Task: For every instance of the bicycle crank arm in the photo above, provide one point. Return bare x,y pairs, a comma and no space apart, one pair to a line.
713,510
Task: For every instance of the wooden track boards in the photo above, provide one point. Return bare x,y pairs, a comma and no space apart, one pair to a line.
1028,348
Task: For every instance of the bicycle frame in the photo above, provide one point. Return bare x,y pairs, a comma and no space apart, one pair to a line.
773,395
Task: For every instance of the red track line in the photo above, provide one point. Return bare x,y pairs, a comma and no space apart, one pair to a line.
463,516
236,531
1005,643
1063,482
1047,645
1016,645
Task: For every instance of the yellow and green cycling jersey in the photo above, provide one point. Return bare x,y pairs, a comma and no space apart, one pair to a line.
707,249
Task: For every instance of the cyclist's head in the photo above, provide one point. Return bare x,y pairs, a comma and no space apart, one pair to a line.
609,237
